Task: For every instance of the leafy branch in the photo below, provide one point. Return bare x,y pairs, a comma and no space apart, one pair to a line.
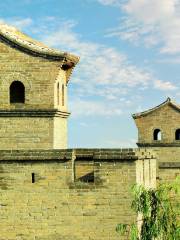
159,213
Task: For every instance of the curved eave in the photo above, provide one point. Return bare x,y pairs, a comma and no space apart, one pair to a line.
167,102
39,50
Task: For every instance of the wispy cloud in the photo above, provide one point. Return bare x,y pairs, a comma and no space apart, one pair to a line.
152,22
84,108
101,65
162,85
20,23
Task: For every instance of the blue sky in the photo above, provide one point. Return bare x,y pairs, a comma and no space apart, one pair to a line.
130,57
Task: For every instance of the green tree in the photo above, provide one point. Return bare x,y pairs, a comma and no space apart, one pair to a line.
160,212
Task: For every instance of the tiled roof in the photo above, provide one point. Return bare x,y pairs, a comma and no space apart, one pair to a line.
167,102
13,36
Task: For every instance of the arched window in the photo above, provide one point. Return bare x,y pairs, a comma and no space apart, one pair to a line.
58,94
177,134
63,95
157,135
17,92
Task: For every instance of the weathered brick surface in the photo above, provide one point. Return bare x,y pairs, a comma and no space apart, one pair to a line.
36,73
40,77
55,206
166,118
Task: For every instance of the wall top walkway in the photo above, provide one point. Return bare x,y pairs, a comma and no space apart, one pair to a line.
82,154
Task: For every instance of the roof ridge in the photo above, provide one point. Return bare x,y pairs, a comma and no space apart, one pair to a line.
167,101
12,35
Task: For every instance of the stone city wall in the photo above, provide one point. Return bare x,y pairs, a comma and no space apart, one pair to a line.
69,194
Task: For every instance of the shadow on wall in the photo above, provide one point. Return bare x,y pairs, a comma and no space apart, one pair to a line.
3,180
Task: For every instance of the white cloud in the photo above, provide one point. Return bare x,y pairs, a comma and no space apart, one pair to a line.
101,65
166,86
151,11
97,108
20,23
155,22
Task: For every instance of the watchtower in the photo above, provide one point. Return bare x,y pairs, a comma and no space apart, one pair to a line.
159,126
159,129
33,92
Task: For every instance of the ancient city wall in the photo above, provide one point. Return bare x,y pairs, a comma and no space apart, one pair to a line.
76,194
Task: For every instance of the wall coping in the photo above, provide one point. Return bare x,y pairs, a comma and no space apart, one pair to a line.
169,165
158,144
77,154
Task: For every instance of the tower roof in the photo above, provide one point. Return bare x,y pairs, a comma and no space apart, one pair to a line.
14,37
167,102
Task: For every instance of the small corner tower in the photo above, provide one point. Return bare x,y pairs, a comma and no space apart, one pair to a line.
159,129
159,126
33,88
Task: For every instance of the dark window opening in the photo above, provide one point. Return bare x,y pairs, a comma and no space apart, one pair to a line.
63,95
17,92
33,177
58,94
177,135
157,135
88,178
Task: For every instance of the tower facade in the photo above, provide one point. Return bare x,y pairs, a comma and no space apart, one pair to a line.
159,126
33,85
159,129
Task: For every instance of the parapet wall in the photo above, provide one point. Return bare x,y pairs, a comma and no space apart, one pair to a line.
70,194
168,162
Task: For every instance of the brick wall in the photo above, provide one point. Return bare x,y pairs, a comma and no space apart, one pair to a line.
32,125
165,118
36,73
57,206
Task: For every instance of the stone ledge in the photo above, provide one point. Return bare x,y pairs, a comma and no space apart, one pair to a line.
76,154
169,165
35,155
105,154
158,144
33,113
